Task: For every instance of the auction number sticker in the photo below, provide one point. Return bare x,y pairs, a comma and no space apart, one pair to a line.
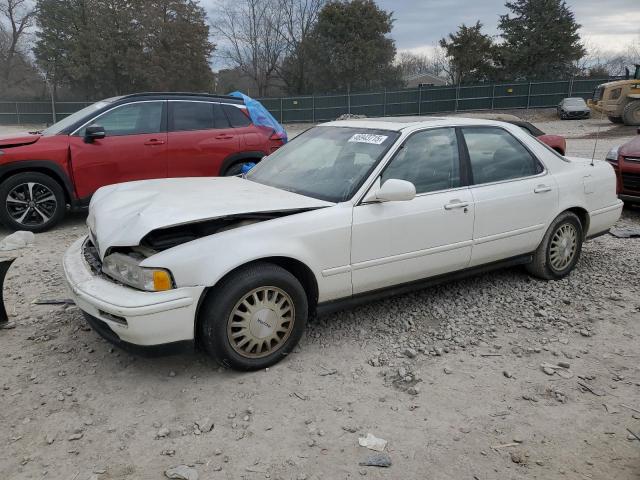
368,138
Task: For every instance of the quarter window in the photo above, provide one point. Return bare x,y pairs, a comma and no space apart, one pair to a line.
429,160
495,155
191,116
236,117
131,119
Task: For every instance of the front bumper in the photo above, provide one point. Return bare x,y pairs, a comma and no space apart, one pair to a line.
133,316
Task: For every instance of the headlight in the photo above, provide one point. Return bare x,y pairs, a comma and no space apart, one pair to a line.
127,270
615,93
612,156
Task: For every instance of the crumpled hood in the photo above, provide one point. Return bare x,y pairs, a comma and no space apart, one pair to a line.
121,215
18,139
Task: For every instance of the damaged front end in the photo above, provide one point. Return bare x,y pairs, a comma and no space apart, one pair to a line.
165,238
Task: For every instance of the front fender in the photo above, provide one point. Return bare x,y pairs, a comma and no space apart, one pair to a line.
320,239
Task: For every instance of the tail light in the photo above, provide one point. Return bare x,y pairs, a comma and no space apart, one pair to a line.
279,136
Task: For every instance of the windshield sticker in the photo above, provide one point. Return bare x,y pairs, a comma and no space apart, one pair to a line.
368,138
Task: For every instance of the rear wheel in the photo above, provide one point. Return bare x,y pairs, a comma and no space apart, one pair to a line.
254,318
631,113
615,119
31,201
559,250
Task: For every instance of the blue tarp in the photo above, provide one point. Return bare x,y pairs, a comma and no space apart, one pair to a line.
260,115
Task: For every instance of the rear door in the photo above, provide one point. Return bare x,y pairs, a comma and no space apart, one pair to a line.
514,196
200,138
134,148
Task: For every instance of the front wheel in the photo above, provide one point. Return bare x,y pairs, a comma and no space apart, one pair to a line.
631,113
254,318
31,201
560,248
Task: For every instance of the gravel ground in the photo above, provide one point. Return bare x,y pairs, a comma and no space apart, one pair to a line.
496,376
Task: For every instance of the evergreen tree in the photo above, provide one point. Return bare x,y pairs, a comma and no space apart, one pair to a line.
349,48
541,39
470,54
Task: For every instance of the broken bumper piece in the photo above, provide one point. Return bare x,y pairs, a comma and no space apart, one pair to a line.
127,316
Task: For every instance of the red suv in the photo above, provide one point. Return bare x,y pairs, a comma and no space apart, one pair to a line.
625,160
135,137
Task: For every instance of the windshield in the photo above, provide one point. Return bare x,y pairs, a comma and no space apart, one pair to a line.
575,102
66,122
328,163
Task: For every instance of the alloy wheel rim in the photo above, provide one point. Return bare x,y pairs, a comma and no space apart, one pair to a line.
564,245
31,203
261,322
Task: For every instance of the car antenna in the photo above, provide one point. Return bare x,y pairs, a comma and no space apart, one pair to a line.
595,145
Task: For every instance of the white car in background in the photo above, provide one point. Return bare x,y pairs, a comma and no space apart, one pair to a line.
347,211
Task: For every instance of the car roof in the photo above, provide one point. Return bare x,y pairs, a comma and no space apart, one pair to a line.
401,123
180,96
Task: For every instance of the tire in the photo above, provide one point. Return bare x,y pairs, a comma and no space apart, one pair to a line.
615,119
235,345
631,113
43,199
233,170
549,260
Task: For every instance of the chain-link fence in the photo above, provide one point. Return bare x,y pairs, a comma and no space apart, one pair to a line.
320,108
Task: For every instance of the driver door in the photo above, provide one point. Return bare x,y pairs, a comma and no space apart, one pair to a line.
399,242
134,148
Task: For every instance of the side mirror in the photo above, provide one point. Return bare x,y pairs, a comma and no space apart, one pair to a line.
394,190
93,132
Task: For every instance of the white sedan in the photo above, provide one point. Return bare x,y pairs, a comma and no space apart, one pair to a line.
346,212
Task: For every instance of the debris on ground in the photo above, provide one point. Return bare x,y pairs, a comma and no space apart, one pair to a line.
625,232
181,472
372,442
376,460
17,240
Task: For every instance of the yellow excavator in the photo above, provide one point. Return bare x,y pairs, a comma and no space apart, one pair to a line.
619,100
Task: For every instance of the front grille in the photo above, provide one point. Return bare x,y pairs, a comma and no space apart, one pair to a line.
631,181
92,257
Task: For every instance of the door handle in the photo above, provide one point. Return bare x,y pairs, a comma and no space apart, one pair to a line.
542,189
224,137
154,141
456,204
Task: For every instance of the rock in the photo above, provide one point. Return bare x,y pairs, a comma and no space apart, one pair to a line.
163,432
447,371
205,425
564,364
75,436
518,457
376,460
548,370
181,472
410,353
413,390
349,428
507,374
50,439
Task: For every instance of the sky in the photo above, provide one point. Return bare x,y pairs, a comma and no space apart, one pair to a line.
607,25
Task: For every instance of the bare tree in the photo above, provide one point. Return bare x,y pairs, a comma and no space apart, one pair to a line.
299,18
16,17
435,62
252,38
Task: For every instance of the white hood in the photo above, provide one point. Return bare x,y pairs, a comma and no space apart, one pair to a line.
121,215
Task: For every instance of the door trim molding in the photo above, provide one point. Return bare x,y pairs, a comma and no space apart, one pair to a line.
510,233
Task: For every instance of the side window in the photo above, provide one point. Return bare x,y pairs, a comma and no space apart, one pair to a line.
190,116
429,160
131,119
496,155
219,118
236,117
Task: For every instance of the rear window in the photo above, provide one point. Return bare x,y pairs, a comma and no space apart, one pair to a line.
191,116
236,117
